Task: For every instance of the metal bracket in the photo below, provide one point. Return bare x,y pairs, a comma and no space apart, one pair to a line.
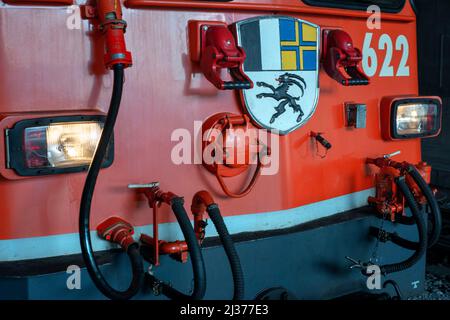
356,114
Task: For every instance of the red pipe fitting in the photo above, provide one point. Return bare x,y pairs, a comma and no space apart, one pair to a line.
387,162
388,200
154,194
177,249
118,231
383,162
200,201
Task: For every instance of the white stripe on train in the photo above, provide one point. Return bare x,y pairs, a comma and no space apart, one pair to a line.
65,244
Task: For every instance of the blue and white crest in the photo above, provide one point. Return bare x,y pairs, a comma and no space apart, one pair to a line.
283,62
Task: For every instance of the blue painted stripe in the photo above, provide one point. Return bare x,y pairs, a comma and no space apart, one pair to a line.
65,244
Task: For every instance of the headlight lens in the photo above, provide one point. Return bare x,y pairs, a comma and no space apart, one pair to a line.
410,117
61,144
55,145
417,118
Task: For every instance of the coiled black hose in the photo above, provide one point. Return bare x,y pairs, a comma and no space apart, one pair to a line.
421,227
196,257
432,202
228,245
86,200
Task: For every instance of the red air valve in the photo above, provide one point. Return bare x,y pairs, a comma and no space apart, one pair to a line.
388,199
214,46
155,247
342,60
109,15
117,230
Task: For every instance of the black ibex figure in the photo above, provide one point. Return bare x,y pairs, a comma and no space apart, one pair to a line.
281,94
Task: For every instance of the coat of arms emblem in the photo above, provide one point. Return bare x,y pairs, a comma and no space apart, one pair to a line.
283,62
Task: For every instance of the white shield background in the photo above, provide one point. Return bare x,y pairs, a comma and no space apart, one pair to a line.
261,110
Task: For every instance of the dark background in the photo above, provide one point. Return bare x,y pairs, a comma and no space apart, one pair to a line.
433,17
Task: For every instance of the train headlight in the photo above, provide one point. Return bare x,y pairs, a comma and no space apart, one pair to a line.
54,145
406,118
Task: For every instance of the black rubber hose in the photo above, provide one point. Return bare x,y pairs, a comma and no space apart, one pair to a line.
404,243
385,236
196,257
86,200
230,250
422,231
396,288
432,202
408,221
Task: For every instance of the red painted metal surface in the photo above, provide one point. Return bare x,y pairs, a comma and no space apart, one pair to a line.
39,2
165,91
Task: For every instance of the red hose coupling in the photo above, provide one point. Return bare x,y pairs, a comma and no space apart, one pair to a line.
118,231
109,13
387,162
200,202
156,195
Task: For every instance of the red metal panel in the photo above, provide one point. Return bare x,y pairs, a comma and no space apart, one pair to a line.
47,67
40,2
274,6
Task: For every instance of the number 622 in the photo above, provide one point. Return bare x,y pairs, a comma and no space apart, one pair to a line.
370,57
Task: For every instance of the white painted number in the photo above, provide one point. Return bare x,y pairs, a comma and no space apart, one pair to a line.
370,58
369,54
402,44
385,43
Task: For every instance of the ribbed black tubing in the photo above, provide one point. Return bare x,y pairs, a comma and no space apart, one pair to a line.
86,201
404,243
228,245
195,254
432,202
422,231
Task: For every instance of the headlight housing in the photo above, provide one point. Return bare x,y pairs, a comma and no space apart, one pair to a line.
411,117
55,145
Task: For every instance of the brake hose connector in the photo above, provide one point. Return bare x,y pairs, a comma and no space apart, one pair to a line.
176,249
118,231
417,179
